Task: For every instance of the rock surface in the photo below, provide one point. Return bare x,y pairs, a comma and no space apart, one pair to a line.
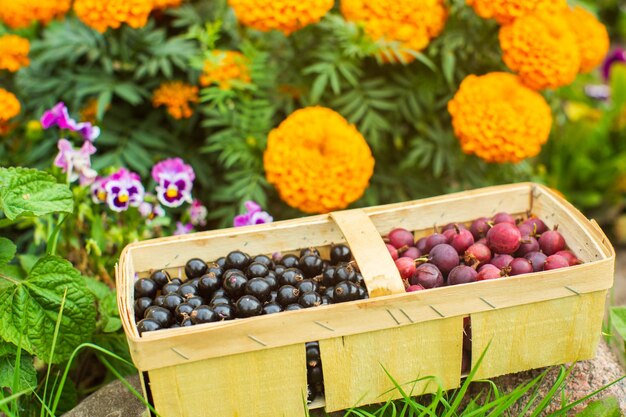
114,400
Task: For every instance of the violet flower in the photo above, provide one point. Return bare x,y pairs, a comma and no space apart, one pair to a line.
151,211
183,229
123,189
198,213
253,215
76,162
98,193
175,181
617,55
59,116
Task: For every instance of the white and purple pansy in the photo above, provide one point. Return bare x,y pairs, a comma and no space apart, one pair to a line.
123,189
175,181
76,162
253,215
183,228
151,211
198,213
98,193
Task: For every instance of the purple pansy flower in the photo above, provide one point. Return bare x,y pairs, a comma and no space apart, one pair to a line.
618,55
76,162
98,193
59,116
198,213
253,215
175,181
151,211
183,228
123,189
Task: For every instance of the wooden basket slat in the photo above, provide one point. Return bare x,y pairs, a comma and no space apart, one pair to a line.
538,334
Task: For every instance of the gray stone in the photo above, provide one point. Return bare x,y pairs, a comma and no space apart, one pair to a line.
112,400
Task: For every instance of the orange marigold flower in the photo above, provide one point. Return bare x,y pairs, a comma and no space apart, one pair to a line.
225,67
498,119
317,161
541,49
591,35
410,23
176,96
505,11
21,13
13,52
103,14
9,105
284,15
164,4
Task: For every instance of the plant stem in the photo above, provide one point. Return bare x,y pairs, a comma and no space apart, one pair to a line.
8,278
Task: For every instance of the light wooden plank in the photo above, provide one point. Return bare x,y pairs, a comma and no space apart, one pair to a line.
270,383
158,349
378,269
354,366
538,334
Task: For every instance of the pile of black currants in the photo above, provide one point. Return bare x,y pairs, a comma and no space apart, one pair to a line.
241,286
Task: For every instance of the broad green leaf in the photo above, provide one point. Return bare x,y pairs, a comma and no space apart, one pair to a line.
29,192
27,378
30,309
606,407
7,250
618,318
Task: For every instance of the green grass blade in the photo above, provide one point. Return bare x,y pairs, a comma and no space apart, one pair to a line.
558,384
52,349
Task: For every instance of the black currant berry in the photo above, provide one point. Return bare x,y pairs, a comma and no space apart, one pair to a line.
203,314
326,301
174,326
195,301
291,276
237,259
248,306
311,265
345,291
172,301
265,260
159,314
195,282
340,253
256,269
183,311
215,301
215,269
140,306
220,292
208,284
359,280
271,308
310,299
328,276
145,287
224,311
186,323
363,293
290,261
187,290
195,267
345,272
315,376
287,294
234,285
311,393
230,272
148,325
272,280
309,251
158,300
329,292
170,288
292,307
176,281
307,285
160,277
279,269
221,262
258,288
312,354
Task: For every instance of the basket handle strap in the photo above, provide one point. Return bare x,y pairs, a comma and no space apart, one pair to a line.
378,269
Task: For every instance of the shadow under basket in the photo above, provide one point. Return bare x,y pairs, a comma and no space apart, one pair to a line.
256,367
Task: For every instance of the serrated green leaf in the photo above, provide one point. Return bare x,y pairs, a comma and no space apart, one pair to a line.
7,250
30,309
27,378
30,192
